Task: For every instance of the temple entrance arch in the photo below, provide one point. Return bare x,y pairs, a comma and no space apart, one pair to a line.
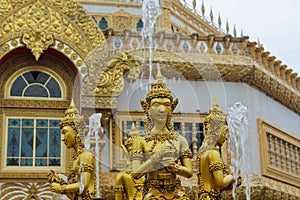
42,24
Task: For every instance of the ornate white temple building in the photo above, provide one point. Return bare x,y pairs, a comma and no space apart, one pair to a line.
93,51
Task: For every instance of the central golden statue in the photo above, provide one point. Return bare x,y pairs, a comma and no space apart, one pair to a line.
162,154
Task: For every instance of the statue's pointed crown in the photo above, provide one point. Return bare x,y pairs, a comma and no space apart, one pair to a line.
214,121
215,109
131,135
134,132
72,116
158,89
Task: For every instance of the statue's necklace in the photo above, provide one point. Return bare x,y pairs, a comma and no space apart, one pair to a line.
160,137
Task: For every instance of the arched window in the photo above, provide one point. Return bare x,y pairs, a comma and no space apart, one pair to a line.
35,83
103,25
139,25
33,138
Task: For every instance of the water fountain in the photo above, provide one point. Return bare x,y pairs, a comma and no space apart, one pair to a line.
238,145
94,128
151,11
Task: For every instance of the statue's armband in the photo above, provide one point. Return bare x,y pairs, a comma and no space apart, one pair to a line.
119,189
86,168
216,166
187,154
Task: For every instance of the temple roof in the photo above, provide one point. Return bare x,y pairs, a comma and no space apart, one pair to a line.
195,47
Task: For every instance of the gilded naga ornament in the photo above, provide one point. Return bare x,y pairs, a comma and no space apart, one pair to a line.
213,174
80,183
126,184
162,154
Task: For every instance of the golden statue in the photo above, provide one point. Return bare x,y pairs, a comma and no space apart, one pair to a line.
213,173
161,154
125,182
80,183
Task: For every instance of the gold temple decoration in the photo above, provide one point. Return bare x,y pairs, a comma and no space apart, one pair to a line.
213,174
39,22
37,41
81,181
106,77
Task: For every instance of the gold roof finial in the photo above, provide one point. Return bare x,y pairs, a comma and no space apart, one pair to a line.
227,27
203,9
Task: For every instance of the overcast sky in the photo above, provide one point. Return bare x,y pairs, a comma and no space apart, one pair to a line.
274,22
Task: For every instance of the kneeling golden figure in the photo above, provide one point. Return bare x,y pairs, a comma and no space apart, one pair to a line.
126,184
81,179
213,173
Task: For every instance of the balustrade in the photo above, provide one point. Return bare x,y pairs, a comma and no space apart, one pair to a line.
216,41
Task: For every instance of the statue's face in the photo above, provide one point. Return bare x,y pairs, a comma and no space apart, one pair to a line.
160,109
68,136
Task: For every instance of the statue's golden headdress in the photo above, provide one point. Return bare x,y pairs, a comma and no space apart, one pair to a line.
158,90
213,123
73,119
131,136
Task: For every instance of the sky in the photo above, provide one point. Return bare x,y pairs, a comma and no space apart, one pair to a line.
274,23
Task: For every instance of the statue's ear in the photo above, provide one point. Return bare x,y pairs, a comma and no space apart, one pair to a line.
174,104
145,105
